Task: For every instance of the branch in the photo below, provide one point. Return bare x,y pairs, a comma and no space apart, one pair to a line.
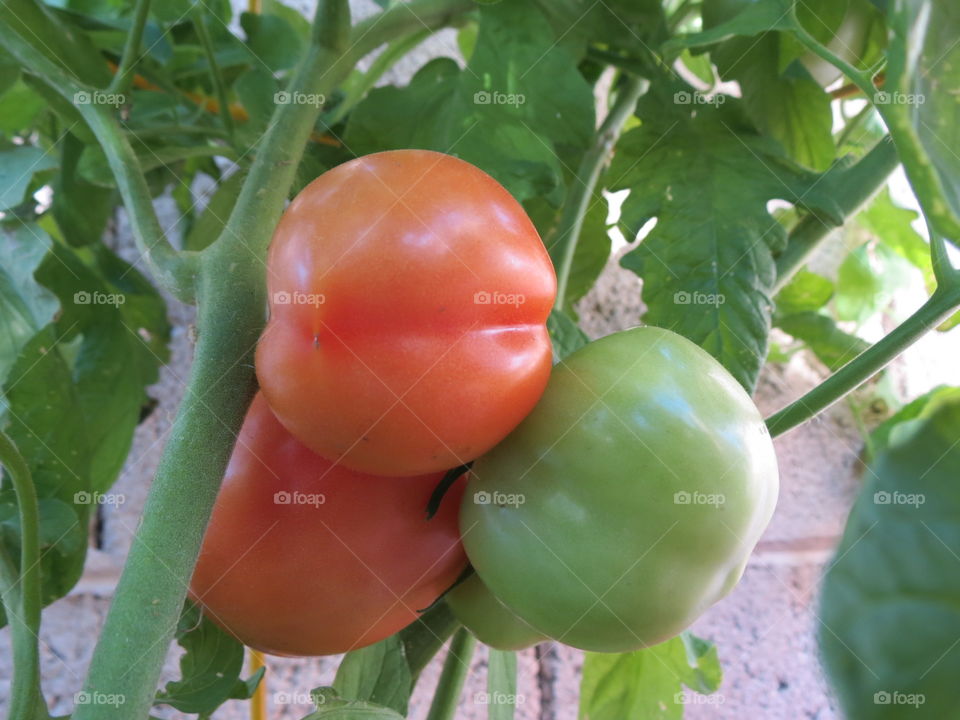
582,187
852,187
455,667
21,594
868,363
131,50
216,77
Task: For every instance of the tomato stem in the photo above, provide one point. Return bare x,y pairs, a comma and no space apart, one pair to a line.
131,50
941,304
21,593
455,668
563,243
216,76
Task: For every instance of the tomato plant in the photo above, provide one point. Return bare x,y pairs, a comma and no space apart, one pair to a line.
403,286
418,245
295,561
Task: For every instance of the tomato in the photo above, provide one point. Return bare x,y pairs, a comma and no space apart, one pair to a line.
485,616
628,501
304,557
408,299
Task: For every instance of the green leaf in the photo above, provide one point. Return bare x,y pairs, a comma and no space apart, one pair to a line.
592,251
707,265
79,207
892,226
25,306
518,102
647,683
272,40
834,347
209,668
920,104
17,166
753,19
19,108
791,107
867,280
564,334
94,168
806,291
378,673
501,684
890,606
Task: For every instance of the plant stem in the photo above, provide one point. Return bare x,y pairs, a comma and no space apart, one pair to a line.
584,185
450,685
21,595
383,62
852,187
131,50
940,305
216,77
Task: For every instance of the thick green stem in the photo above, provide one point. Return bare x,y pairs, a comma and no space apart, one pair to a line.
424,638
940,305
216,77
21,594
455,668
852,188
131,50
230,292
583,186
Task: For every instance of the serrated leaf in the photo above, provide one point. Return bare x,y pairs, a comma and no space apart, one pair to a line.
892,226
520,98
890,605
592,251
647,683
707,266
209,669
867,280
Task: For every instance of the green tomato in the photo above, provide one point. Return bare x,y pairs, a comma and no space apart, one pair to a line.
629,500
481,613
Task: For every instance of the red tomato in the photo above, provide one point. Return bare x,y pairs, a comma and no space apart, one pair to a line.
304,557
408,298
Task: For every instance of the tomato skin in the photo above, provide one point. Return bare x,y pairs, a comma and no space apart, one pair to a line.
585,499
399,367
488,619
319,578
